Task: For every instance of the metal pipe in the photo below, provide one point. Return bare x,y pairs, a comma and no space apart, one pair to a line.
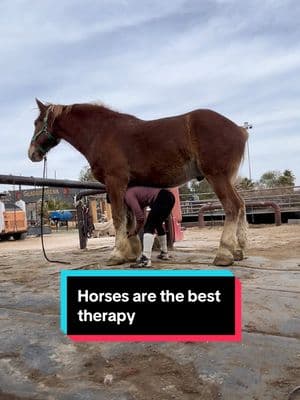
33,181
210,206
206,207
275,206
84,193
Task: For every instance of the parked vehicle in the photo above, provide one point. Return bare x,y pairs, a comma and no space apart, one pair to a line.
60,215
13,222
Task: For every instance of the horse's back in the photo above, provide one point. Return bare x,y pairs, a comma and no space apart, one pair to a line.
202,138
207,129
204,124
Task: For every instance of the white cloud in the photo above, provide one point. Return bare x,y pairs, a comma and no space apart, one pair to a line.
44,22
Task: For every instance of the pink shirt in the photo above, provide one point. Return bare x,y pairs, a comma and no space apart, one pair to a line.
138,198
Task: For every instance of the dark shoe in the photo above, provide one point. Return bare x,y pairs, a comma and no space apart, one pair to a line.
143,262
163,256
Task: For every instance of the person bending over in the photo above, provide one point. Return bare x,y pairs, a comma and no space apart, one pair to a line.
161,202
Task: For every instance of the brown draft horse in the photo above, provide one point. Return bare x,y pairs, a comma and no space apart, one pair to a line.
123,150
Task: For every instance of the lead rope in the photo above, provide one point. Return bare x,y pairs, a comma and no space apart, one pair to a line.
42,217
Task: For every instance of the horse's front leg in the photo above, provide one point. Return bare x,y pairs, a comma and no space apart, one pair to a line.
126,249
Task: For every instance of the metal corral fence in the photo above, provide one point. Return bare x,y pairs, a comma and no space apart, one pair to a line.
286,198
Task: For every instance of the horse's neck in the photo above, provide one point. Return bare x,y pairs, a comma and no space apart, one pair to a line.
79,127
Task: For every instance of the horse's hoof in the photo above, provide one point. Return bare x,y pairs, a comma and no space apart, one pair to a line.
238,255
115,261
223,261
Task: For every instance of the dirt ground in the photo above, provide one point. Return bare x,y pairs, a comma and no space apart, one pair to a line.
38,362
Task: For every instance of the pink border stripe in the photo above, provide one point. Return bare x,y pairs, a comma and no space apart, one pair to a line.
176,338
238,310
154,338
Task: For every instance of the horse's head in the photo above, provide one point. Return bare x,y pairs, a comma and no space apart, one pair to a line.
43,138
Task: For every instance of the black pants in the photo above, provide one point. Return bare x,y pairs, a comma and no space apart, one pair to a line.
160,210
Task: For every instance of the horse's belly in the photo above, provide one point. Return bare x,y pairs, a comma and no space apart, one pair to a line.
171,176
191,171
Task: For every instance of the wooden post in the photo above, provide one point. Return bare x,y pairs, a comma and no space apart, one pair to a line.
93,210
81,225
108,212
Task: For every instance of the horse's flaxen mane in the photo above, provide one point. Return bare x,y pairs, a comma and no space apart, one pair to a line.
99,106
58,109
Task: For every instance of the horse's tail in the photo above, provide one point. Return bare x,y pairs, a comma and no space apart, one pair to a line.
246,136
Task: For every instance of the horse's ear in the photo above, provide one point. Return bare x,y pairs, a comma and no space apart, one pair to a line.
41,106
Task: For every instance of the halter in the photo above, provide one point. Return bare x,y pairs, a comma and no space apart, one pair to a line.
50,139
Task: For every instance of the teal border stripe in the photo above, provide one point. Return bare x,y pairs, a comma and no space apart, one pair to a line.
63,300
64,274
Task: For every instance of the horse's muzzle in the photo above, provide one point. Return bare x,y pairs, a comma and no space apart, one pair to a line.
34,154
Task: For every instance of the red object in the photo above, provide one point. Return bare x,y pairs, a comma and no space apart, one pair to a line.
177,216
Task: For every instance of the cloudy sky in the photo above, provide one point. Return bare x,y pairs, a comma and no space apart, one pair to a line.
152,58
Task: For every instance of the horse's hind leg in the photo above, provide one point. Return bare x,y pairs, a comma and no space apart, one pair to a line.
232,204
